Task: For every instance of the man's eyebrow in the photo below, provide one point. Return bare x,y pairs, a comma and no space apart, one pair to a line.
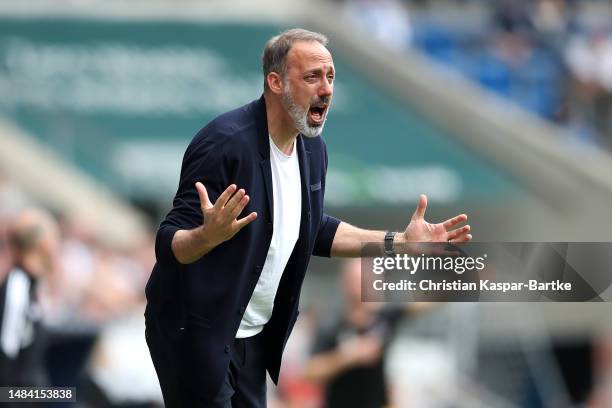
319,71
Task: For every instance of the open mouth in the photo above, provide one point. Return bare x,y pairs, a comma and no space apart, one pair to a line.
317,113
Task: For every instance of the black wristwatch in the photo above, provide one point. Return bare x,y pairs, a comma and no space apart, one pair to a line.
389,236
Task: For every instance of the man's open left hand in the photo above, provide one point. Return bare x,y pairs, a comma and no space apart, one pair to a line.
419,230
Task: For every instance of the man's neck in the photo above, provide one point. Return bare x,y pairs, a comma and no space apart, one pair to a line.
281,128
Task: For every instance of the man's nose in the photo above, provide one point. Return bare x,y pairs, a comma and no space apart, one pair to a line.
326,88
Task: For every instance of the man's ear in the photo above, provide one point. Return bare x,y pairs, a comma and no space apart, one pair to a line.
275,83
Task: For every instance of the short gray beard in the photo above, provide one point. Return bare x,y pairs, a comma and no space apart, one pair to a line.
299,116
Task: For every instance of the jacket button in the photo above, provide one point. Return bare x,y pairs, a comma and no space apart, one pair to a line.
270,226
241,310
257,269
227,349
308,215
292,299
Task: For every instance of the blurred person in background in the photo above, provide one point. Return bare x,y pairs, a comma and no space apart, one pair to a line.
91,311
78,324
12,202
589,57
33,241
349,348
82,297
224,294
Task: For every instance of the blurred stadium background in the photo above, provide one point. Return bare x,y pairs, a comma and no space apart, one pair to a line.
498,108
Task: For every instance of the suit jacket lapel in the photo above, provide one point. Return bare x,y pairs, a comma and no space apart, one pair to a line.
263,143
304,161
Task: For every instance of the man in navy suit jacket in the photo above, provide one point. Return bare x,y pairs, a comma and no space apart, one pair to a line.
232,253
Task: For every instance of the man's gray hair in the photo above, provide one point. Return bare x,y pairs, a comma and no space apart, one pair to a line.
274,56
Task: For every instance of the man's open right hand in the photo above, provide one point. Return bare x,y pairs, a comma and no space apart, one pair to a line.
220,219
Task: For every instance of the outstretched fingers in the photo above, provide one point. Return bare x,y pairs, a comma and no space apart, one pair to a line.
225,196
234,201
456,233
203,194
419,213
244,221
236,204
237,209
461,239
451,222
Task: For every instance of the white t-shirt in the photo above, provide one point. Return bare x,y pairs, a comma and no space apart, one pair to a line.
287,197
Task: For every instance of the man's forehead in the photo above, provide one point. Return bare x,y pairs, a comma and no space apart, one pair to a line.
306,53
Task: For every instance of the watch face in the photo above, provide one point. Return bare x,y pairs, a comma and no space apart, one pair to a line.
389,243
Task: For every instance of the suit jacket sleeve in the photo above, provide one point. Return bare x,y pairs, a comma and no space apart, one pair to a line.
325,237
209,161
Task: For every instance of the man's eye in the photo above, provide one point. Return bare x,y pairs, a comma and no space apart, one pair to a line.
330,78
